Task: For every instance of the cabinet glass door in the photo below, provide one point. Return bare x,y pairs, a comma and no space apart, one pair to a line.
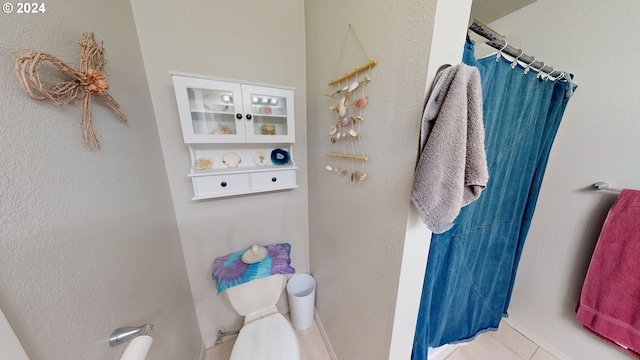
212,113
269,114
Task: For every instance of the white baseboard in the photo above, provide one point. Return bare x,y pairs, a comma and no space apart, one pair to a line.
441,352
536,339
327,343
203,352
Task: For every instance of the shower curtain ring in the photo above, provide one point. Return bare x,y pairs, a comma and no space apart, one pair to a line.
500,51
515,61
549,74
528,67
540,72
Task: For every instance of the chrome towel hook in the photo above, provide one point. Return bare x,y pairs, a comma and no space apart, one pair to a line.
124,334
600,185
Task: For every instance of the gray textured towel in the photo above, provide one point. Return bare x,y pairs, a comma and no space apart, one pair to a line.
452,168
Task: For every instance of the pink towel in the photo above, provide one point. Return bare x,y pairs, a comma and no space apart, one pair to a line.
610,301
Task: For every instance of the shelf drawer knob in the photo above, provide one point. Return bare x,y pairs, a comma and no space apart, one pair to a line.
274,179
249,116
238,116
223,184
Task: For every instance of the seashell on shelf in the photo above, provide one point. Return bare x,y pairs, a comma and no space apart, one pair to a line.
360,103
338,135
231,159
260,158
329,167
210,101
332,129
204,163
353,133
345,122
343,172
223,129
354,174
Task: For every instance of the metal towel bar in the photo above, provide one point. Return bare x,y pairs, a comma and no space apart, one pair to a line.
601,185
124,334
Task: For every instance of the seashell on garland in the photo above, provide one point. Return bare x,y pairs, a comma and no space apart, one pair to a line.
342,107
354,85
366,79
362,102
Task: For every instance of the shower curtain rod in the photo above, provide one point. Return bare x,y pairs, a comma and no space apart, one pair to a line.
497,41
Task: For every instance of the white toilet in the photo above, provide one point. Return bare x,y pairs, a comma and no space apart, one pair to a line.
266,334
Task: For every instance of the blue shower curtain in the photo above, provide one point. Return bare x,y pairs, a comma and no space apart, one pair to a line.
471,268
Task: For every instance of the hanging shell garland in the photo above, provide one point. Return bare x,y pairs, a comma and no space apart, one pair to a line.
348,97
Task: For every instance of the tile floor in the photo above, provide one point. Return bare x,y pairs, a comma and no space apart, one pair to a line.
504,344
312,345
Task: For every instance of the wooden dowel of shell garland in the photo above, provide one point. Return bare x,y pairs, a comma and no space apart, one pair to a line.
370,64
355,157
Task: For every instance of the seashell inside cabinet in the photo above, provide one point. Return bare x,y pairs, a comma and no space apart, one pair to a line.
240,135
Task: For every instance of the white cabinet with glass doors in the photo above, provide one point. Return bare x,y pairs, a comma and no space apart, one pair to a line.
240,135
213,111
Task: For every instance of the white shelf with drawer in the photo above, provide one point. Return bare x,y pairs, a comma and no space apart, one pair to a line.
240,135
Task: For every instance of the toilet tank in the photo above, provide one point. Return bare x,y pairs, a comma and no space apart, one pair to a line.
256,295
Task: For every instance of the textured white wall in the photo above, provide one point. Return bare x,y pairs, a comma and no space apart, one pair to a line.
597,141
253,40
357,231
89,239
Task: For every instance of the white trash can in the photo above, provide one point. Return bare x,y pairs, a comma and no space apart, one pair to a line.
301,289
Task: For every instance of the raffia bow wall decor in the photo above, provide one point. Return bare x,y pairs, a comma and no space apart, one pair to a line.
82,84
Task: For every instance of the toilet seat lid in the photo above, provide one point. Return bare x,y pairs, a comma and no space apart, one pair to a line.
270,338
